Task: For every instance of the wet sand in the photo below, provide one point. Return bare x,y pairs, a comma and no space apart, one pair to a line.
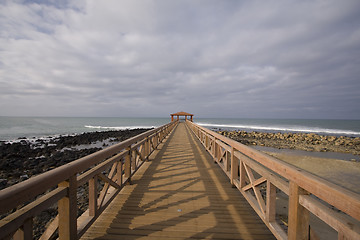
340,172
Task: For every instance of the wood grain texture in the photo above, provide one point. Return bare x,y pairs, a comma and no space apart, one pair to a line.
179,194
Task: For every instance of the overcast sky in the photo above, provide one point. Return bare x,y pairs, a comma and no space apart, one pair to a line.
247,59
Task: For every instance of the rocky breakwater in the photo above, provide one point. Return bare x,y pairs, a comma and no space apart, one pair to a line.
24,158
299,141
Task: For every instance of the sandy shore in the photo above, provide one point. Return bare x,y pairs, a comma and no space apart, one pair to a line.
343,173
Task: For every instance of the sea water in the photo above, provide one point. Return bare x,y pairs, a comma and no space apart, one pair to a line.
326,127
12,128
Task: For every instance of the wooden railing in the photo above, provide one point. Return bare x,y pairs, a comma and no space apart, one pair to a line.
114,166
260,178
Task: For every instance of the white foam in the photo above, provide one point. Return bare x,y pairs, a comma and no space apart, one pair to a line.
118,128
304,129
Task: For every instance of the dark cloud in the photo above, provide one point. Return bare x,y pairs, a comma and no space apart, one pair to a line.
214,58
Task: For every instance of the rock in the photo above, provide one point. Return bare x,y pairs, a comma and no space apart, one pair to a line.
3,183
24,177
299,141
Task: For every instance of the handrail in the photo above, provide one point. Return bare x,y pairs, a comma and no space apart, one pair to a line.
123,158
239,161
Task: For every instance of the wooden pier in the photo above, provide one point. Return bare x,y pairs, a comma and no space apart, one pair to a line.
179,181
179,194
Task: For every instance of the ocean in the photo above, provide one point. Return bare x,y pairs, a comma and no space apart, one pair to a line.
12,128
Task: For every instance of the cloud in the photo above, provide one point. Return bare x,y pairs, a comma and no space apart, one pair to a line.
286,59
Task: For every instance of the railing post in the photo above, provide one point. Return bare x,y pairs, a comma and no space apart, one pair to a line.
234,167
147,147
215,150
298,215
161,135
242,174
119,172
142,152
128,165
67,208
270,202
93,196
25,232
155,140
133,160
228,161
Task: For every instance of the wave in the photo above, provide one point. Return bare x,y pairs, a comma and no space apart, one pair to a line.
304,129
118,128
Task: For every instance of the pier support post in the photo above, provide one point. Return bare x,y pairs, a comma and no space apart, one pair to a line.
128,165
298,215
25,232
67,208
93,196
270,202
234,167
119,172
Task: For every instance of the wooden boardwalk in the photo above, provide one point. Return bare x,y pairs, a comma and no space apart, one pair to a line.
179,194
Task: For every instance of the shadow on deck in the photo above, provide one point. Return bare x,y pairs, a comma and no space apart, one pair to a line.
179,194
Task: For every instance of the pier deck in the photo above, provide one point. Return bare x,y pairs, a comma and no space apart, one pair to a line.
179,194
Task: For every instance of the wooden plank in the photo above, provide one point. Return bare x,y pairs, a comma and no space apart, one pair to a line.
93,207
270,202
181,193
25,232
14,195
345,225
109,181
298,215
127,165
12,222
51,229
67,208
272,177
343,199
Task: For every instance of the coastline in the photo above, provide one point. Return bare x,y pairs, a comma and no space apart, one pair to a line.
298,141
25,157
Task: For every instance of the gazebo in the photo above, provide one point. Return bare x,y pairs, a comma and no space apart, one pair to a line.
178,114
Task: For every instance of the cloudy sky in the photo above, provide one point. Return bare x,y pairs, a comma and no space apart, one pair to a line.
247,59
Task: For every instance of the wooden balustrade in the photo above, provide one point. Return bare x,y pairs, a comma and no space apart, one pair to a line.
259,177
114,166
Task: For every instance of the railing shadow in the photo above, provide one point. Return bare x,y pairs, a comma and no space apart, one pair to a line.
183,191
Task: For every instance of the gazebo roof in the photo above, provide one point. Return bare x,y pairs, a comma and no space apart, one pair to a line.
182,114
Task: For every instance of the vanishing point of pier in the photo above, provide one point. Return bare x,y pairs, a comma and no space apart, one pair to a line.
179,194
